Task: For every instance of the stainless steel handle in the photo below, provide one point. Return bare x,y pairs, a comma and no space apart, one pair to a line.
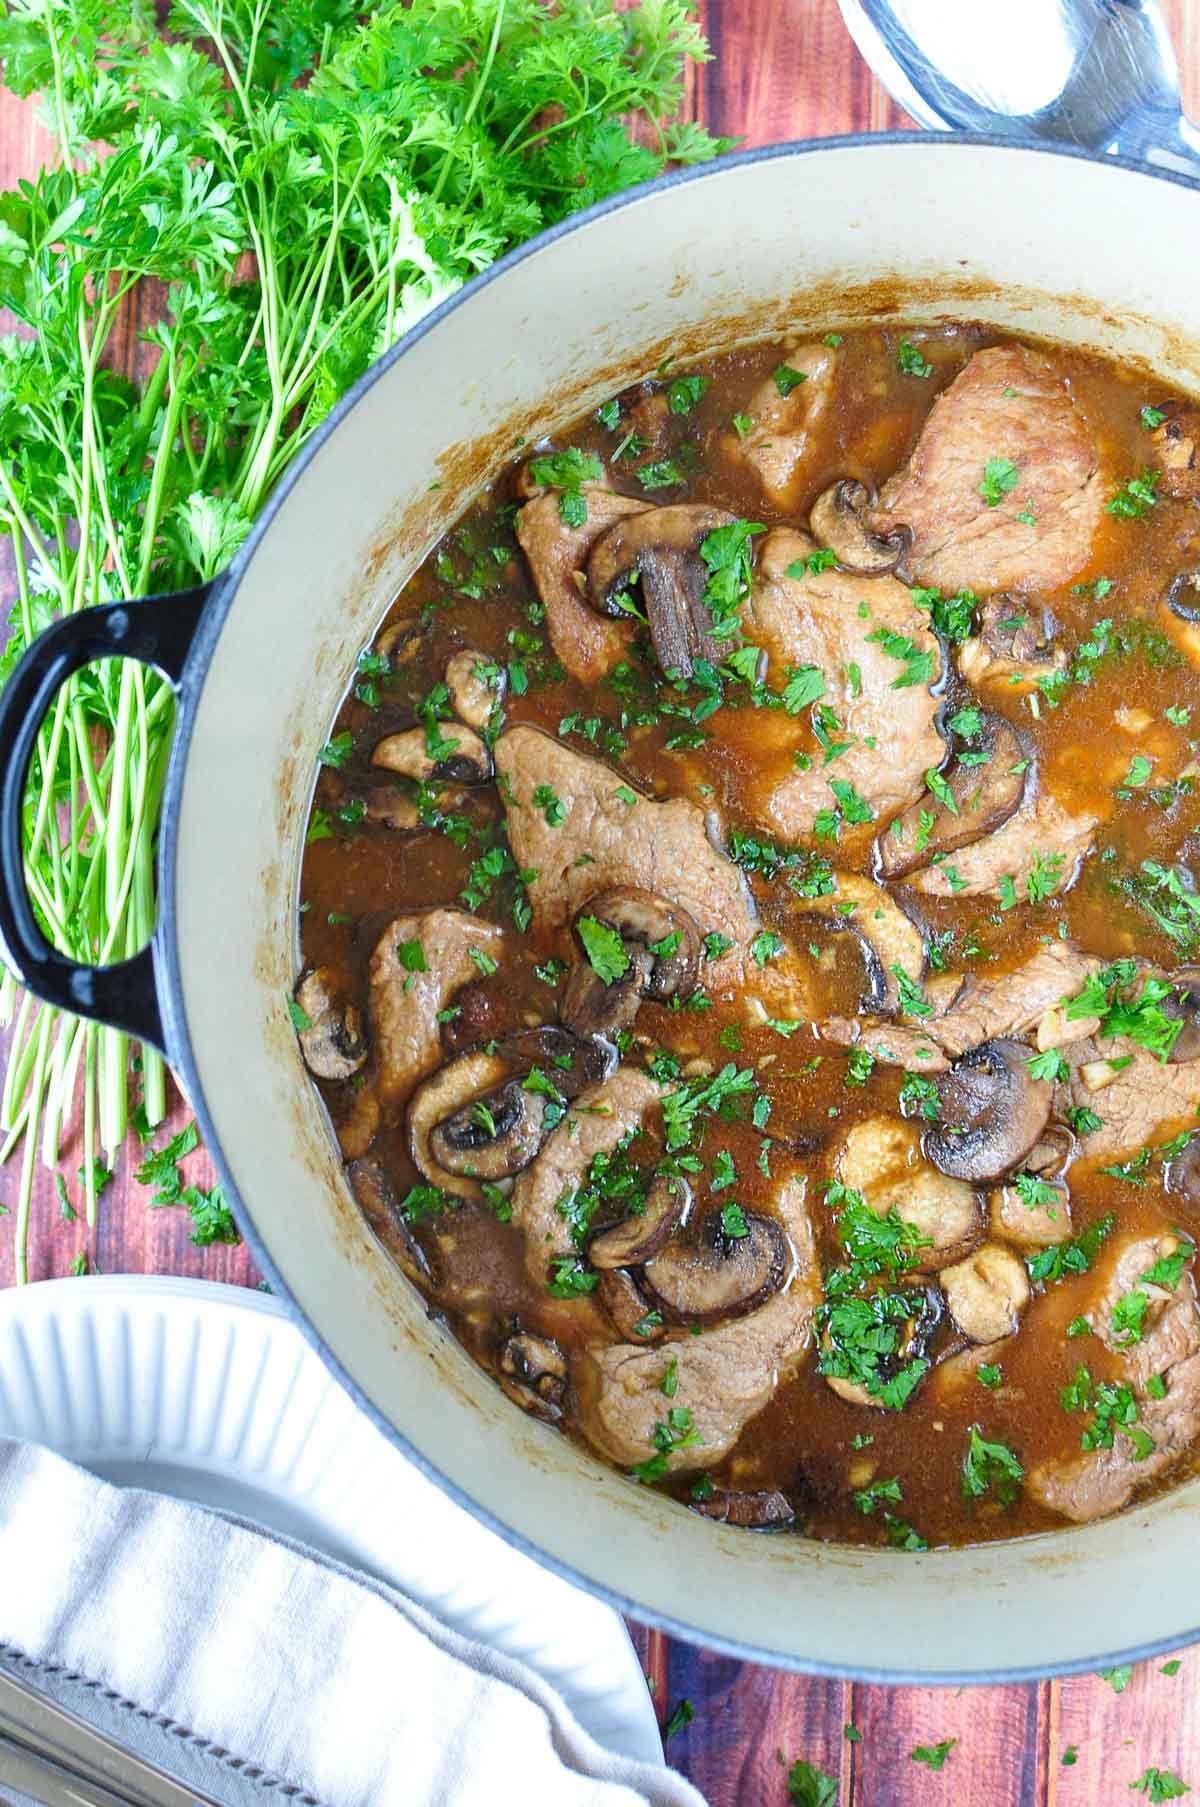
58,1758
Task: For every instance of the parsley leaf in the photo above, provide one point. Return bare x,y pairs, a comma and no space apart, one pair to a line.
604,948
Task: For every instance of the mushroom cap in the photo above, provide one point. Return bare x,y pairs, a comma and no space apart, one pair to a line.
991,1111
646,920
376,1199
532,1370
713,1275
463,760
1183,1006
883,928
986,1293
472,697
592,1059
881,1158
839,519
491,1137
451,1094
1181,1174
662,548
767,1510
393,807
1183,596
334,1045
643,1234
618,1293
590,1007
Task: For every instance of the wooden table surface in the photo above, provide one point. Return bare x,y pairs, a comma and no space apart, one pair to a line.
781,69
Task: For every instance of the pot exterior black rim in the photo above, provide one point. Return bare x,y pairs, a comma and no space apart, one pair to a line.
167,966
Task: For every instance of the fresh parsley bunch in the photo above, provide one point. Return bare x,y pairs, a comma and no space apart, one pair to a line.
285,187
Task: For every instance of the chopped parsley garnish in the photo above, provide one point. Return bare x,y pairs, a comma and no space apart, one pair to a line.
805,684
766,946
684,393
989,1374
990,1467
1000,476
570,1279
1136,498
733,1222
337,751
664,473
604,948
411,956
918,664
953,617
1152,417
787,379
919,1097
546,799
1074,1255
911,362
867,1498
677,1432
567,471
1113,1409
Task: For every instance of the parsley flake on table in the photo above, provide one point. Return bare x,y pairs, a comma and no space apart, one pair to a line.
811,1787
933,1756
1160,1784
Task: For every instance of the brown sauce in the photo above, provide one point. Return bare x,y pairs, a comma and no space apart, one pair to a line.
1135,701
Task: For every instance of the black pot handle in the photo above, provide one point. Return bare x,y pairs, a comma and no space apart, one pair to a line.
159,632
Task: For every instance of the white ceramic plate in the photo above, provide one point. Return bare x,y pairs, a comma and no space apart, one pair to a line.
208,1393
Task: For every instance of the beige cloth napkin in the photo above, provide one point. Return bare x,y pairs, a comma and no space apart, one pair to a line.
253,1667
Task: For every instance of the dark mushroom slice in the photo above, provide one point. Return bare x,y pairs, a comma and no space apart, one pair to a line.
840,519
494,1136
983,793
470,1020
472,1122
1181,1175
570,1062
1176,442
642,1235
401,641
1014,644
645,921
1183,596
459,755
394,808
662,548
593,1007
476,685
334,1043
1183,1006
357,1115
991,1112
533,1372
1051,1154
714,1275
768,1510
635,1319
887,934
376,1199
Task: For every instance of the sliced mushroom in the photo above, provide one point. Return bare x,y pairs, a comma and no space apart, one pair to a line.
662,547
376,1199
449,1097
533,1372
470,1019
357,1114
767,1510
401,641
888,936
1014,645
881,1158
986,1293
570,1062
1051,1154
1181,1175
1183,1006
334,1044
839,519
1177,443
636,1321
394,808
991,1111
476,684
642,1235
1032,1226
984,792
494,1136
1183,596
591,1006
459,755
715,1275
644,920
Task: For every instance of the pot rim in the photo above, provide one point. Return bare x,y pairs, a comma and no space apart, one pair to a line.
169,979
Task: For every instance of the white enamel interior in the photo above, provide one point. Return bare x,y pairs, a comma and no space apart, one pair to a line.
1079,251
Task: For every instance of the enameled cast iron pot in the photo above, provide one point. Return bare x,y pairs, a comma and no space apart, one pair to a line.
1094,253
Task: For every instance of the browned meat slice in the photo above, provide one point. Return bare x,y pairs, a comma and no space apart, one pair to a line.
723,1377
1043,839
1008,1005
786,426
1136,1104
600,1117
1096,1482
405,1001
1177,447
1014,646
876,658
604,840
586,643
1003,489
